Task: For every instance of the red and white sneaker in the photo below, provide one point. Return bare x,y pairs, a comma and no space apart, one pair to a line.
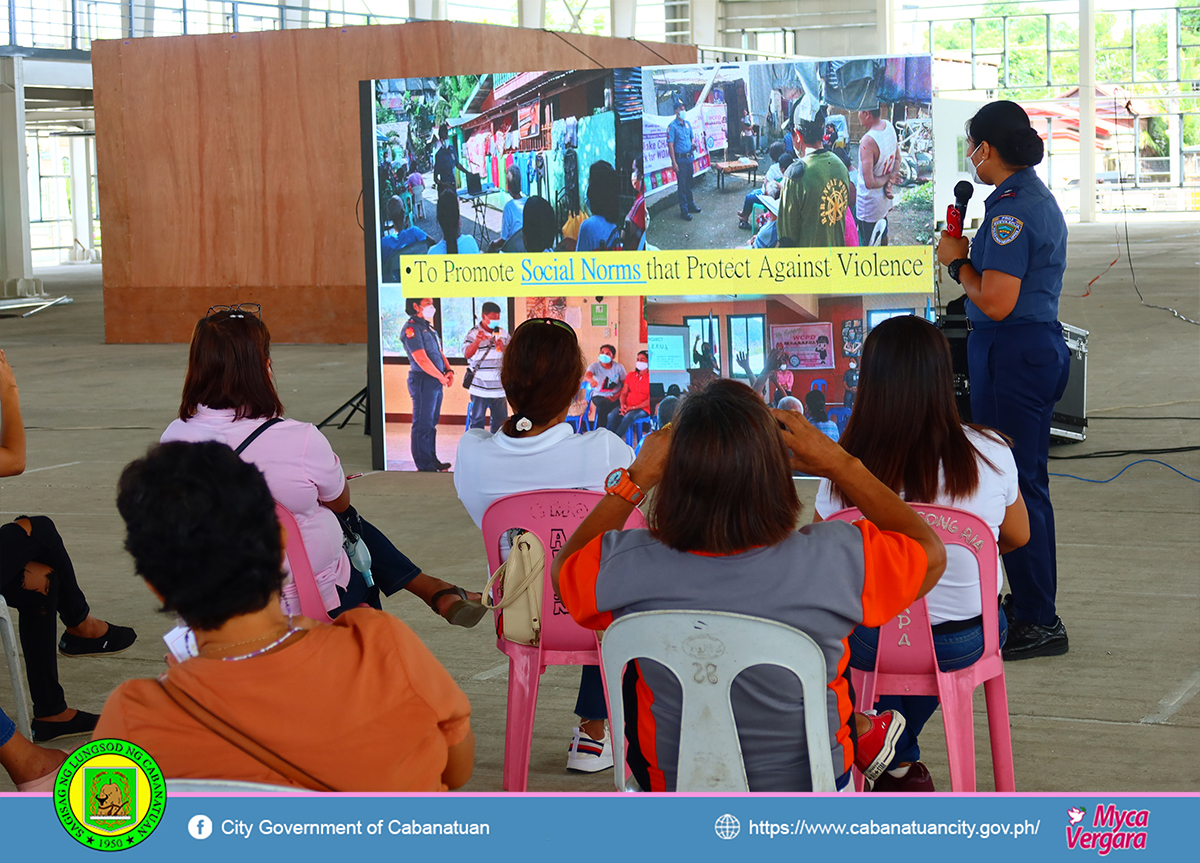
587,755
877,747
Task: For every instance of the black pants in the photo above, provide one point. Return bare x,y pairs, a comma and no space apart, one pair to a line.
39,629
604,406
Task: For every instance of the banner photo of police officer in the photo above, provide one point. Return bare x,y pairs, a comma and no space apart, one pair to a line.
488,169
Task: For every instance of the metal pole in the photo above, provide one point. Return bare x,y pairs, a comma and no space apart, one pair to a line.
1049,56
1133,45
1005,50
129,4
12,22
183,13
973,54
1087,110
74,25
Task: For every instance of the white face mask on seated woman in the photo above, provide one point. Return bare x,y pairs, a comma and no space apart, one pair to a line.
641,365
605,359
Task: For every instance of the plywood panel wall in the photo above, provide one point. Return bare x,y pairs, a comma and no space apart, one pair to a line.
229,165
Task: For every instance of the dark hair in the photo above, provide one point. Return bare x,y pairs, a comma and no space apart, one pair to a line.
1005,126
396,211
841,153
645,354
814,400
200,524
448,219
602,194
785,160
610,349
727,484
490,308
775,151
227,368
512,177
812,131
413,304
539,224
540,372
905,425
874,112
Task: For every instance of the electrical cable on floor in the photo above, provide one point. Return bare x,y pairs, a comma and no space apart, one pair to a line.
1143,418
1140,407
1121,453
1127,467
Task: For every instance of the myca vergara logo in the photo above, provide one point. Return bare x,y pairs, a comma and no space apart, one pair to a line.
109,795
1110,830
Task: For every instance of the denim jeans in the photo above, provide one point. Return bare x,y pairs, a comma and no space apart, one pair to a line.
64,599
590,704
480,408
620,424
954,651
7,728
391,571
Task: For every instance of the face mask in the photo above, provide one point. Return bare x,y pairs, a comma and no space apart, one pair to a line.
972,169
494,326
641,366
605,359
428,313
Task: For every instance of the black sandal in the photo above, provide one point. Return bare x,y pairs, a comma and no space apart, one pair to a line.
465,612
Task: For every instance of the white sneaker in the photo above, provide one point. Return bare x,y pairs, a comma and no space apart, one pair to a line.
587,755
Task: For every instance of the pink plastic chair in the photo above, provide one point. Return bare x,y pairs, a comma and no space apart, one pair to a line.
552,517
907,665
311,604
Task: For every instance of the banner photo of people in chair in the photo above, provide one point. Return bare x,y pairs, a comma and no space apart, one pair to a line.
686,222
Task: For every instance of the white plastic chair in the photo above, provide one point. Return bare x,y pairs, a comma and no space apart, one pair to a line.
716,647
9,636
227,786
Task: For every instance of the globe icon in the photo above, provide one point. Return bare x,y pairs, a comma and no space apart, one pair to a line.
727,826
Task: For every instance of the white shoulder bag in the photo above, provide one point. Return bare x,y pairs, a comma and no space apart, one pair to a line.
521,579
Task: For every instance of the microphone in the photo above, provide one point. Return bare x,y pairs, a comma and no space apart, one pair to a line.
957,211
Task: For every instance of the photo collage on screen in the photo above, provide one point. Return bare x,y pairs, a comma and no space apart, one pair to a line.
787,161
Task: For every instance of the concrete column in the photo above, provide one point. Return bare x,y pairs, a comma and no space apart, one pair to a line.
706,22
427,10
884,26
16,259
1087,110
81,212
1174,121
531,14
623,15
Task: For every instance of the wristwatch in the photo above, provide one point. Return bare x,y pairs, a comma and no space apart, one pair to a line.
619,483
953,267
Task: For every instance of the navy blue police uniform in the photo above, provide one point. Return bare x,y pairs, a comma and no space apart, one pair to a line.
679,134
1019,367
426,391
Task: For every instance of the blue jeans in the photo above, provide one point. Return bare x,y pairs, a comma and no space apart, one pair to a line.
954,651
620,424
426,392
7,728
590,704
391,571
480,408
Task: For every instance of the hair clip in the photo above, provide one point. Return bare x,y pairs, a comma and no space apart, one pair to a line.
524,424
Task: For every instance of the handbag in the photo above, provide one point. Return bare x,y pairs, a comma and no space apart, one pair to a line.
469,376
521,579
227,732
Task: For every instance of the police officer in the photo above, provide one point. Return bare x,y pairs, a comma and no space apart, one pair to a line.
683,151
1017,357
428,374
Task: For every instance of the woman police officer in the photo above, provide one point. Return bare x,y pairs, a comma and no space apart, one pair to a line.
1018,359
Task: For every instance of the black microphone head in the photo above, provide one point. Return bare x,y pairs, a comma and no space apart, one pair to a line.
963,191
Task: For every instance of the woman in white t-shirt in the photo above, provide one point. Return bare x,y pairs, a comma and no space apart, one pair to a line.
906,430
537,449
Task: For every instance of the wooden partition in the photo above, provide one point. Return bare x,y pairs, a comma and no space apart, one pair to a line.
229,166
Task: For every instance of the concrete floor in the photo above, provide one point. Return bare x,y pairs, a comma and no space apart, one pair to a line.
1117,713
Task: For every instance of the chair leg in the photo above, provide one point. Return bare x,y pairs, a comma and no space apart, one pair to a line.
959,722
1000,732
524,676
8,640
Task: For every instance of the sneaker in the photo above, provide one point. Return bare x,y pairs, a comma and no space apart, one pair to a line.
917,779
79,725
877,747
1027,640
116,640
587,755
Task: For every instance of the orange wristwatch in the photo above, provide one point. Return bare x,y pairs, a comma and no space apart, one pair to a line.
619,483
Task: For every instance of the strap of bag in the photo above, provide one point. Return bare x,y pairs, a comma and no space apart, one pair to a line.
227,732
254,434
512,593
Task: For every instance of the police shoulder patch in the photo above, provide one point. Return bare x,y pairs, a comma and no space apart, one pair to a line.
1011,193
409,332
1005,229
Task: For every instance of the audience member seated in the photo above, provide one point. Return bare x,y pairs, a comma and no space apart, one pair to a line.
600,232
814,400
416,187
228,395
538,449
31,768
513,217
37,579
607,376
791,403
539,225
634,401
635,219
666,410
907,432
774,174
453,242
723,537
402,234
356,705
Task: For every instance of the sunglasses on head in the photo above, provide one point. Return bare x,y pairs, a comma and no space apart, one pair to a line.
238,311
552,321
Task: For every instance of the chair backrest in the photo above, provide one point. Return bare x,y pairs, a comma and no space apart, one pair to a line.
311,604
706,651
906,643
841,416
819,384
552,517
227,786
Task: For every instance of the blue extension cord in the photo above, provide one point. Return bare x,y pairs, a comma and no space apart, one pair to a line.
1127,467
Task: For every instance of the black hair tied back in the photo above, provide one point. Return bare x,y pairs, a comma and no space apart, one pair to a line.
1005,126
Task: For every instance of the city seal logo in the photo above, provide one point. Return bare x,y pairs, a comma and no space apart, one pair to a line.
109,795
1005,229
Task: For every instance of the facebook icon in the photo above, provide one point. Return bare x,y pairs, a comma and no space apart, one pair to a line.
200,827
